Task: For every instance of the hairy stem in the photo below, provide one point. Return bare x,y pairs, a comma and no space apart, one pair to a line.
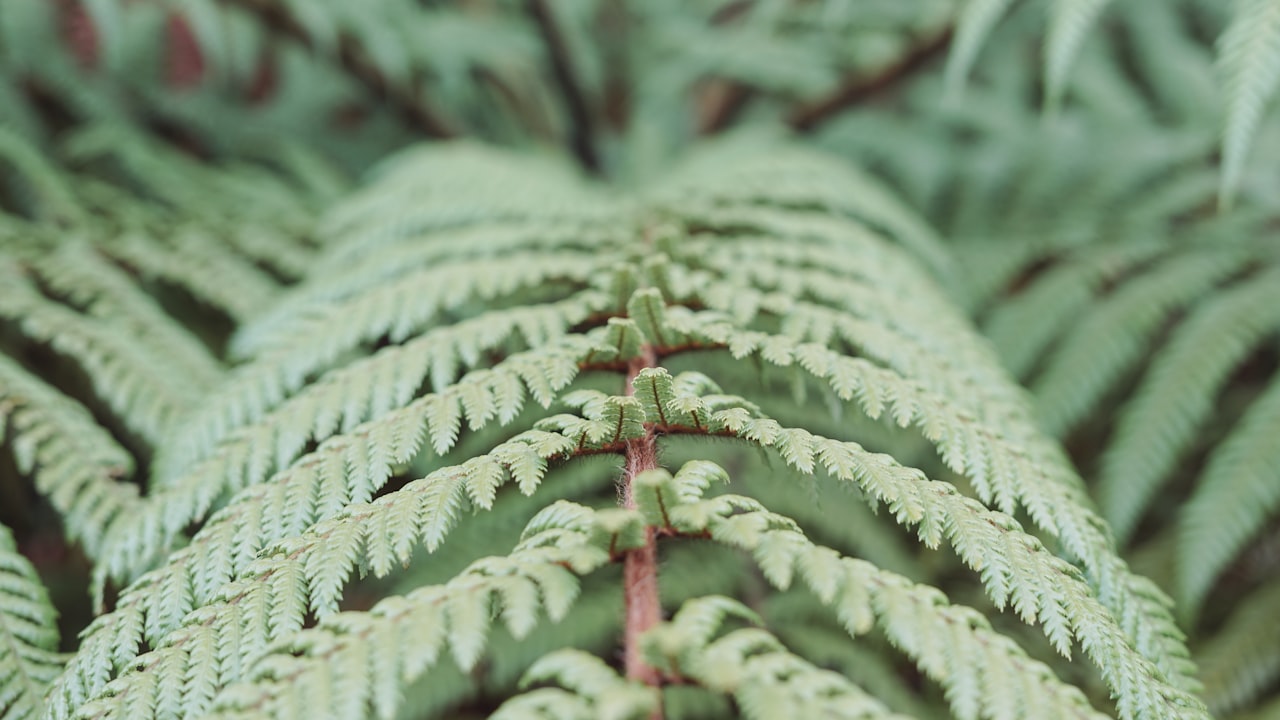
640,572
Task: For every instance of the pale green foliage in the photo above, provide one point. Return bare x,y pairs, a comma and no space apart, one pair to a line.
384,448
223,622
1142,319
72,460
1248,58
28,634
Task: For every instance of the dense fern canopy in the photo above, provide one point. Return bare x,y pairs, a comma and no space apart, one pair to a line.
608,359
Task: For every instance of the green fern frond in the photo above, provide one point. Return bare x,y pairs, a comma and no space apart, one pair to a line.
863,662
88,280
762,676
29,660
1249,57
73,461
1178,395
1242,660
328,283
189,258
1069,23
1238,492
700,295
1102,348
790,179
592,690
863,595
941,512
51,198
293,575
975,24
366,389
145,392
345,468
411,632
1022,330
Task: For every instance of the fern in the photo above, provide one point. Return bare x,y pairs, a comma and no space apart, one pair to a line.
575,411
28,634
1251,66
265,578
1246,56
1103,281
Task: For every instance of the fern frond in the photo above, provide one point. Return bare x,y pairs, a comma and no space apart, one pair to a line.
431,189
52,199
422,364
1069,23
1249,59
1243,658
29,660
1177,395
592,690
146,393
975,24
1238,492
328,283
87,280
1020,573
1099,350
862,596
347,467
189,258
866,664
795,180
268,597
1022,330
400,308
74,462
411,632
366,389
1056,498
764,678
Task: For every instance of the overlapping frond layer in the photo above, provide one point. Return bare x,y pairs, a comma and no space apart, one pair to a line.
1178,395
1110,341
1241,661
287,475
1105,277
29,660
975,24
1250,63
863,596
1235,498
145,392
410,634
102,290
1069,24
750,665
1248,59
589,689
295,427
73,461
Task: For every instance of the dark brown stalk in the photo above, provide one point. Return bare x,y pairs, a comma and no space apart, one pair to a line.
582,131
720,103
356,62
808,117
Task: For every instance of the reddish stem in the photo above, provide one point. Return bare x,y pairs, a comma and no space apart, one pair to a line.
640,571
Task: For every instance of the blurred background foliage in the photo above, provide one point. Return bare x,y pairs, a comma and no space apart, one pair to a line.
1102,172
